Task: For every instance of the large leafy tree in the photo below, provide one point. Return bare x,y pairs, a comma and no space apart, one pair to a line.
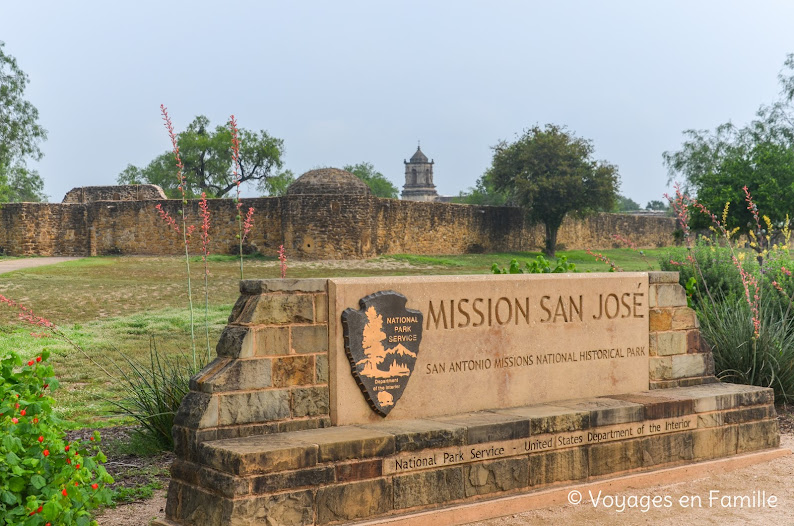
484,193
208,167
550,173
716,165
20,135
377,182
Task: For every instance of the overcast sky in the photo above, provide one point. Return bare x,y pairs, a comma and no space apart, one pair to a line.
344,82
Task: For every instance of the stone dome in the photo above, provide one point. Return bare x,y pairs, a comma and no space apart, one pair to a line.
328,181
419,156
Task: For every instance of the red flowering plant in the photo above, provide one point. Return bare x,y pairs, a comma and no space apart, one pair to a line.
43,478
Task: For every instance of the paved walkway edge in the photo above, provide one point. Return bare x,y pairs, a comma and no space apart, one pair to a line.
558,496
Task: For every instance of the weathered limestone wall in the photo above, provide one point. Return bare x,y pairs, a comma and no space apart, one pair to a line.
129,192
310,226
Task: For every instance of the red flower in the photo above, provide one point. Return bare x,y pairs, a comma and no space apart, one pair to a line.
91,439
35,420
15,420
41,439
16,406
76,484
68,460
77,466
94,485
31,362
38,358
66,448
40,508
22,412
63,492
46,452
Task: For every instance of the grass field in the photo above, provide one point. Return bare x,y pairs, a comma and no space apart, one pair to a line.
120,306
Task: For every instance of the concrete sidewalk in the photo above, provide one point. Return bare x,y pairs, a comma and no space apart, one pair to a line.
19,264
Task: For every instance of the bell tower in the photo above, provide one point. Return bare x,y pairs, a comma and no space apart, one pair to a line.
419,178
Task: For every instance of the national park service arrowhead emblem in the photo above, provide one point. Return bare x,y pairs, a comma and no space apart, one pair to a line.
382,343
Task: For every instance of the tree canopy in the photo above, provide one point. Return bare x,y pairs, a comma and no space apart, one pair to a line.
377,182
716,165
20,135
550,173
625,204
208,166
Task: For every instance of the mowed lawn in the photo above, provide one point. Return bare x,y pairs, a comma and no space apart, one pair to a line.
116,308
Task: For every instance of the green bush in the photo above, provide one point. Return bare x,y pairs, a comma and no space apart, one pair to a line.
44,480
767,360
539,265
154,392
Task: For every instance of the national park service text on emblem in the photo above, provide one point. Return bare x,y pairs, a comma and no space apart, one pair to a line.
382,343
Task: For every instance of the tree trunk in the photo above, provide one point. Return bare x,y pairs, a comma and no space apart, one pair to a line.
551,238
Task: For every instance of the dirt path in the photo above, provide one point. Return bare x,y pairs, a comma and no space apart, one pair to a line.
19,264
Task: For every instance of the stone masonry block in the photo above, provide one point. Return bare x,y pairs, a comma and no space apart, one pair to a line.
321,308
758,435
271,341
413,435
309,401
347,442
238,307
688,365
662,277
482,478
660,368
549,418
666,449
198,382
714,442
309,338
684,318
284,509
668,343
262,286
488,426
288,426
321,369
239,375
353,471
293,370
558,466
198,410
614,457
253,407
694,341
310,477
607,411
347,502
235,342
658,405
428,487
660,319
666,295
258,454
275,309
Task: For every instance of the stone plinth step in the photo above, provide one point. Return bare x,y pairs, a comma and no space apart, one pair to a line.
346,473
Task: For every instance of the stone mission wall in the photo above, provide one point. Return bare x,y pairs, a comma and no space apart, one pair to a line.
309,226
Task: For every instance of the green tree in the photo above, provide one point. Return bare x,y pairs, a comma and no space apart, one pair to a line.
276,185
657,205
625,204
377,182
207,158
484,193
20,135
551,174
716,165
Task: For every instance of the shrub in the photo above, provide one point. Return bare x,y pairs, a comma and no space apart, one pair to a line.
44,480
540,265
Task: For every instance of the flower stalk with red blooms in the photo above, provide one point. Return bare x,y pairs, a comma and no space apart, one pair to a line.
600,257
237,175
282,258
205,251
185,230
